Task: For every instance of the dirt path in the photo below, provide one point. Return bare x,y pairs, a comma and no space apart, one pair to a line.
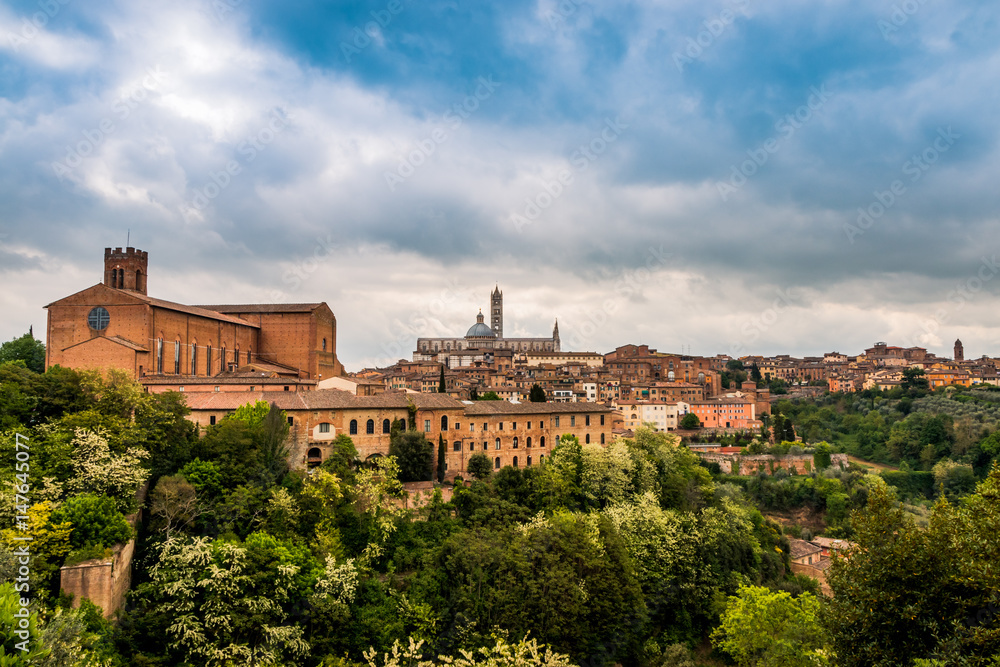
869,464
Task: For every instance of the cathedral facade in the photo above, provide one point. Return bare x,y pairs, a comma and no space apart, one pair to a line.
482,342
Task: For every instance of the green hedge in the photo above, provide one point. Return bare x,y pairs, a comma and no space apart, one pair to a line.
913,483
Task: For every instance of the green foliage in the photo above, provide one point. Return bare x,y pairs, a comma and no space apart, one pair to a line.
771,629
537,394
442,453
26,349
204,476
907,593
18,649
415,455
690,421
252,414
489,396
821,456
479,466
95,520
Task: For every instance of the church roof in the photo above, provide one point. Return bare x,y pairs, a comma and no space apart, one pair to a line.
264,308
480,330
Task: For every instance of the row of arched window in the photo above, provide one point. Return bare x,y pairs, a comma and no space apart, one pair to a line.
193,357
513,462
370,426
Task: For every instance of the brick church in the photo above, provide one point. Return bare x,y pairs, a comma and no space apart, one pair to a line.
117,324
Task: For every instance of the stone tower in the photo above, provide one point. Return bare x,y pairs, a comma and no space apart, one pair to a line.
959,351
555,336
126,270
496,312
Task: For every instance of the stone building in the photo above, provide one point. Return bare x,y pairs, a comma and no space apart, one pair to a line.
117,324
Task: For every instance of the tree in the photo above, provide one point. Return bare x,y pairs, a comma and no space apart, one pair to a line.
906,593
525,653
18,649
755,374
771,629
441,458
490,396
690,421
821,456
271,447
26,349
734,365
174,503
442,388
96,521
913,381
473,394
415,455
479,466
537,394
97,470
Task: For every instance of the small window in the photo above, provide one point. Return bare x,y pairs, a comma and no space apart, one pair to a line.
496,463
587,439
354,427
513,427
485,425
586,420
427,426
501,426
557,422
602,438
529,426
290,421
180,388
370,427
216,387
472,427
324,428
211,420
324,345
386,426
602,420
528,462
514,462
457,446
457,426
541,443
541,424
528,442
472,446
515,443
498,443
572,421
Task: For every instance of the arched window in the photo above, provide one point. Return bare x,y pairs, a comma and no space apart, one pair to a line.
222,359
370,427
496,463
701,378
324,345
515,442
498,443
208,359
177,357
602,438
528,462
541,459
528,443
354,427
515,462
386,426
444,423
194,358
159,355
670,376
541,443
587,439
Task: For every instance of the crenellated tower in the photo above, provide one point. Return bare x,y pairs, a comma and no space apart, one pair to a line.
126,270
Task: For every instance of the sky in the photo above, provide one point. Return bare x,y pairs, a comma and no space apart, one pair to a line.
734,177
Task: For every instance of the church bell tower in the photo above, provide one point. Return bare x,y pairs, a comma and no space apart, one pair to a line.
496,312
126,270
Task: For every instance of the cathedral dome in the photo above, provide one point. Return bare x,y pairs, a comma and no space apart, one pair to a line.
479,329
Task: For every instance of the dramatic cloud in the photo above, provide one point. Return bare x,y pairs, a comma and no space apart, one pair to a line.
732,177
